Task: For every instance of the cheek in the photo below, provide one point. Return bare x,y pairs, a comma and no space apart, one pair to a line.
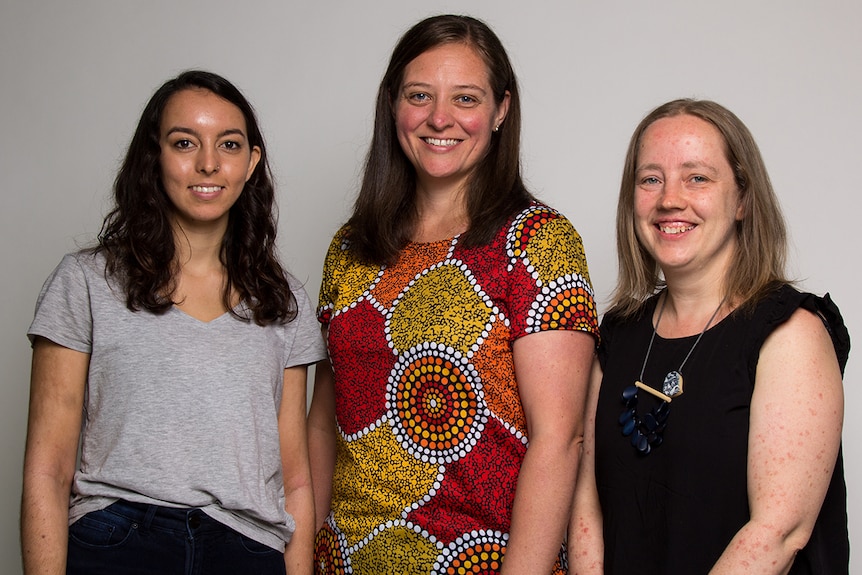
405,124
407,118
641,206
476,125
171,167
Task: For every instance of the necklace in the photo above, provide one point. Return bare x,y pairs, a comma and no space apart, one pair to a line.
648,432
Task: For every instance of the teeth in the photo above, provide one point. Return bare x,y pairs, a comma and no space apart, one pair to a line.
206,189
674,229
437,142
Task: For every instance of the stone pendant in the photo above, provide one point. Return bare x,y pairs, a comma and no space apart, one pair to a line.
672,385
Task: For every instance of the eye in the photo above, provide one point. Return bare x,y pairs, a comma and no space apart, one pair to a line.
183,144
699,179
419,97
232,145
466,100
650,181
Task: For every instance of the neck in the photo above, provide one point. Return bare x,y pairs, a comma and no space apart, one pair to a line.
198,249
686,311
442,213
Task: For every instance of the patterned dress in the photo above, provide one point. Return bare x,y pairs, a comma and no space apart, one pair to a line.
431,429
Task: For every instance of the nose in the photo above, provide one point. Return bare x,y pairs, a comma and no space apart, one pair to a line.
208,161
672,195
439,115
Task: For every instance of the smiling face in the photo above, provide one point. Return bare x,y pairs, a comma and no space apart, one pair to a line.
445,115
205,157
686,200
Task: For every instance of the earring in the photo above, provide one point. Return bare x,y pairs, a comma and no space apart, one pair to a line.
497,128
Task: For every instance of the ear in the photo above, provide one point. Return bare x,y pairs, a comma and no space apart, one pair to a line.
253,160
503,109
740,207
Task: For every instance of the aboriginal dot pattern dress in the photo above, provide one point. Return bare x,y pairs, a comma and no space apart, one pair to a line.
431,432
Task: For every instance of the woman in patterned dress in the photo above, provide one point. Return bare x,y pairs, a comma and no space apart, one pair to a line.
444,431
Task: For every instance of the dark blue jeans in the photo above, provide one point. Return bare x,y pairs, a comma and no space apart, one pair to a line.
132,538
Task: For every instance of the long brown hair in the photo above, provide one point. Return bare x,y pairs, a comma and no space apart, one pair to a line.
384,215
137,238
761,249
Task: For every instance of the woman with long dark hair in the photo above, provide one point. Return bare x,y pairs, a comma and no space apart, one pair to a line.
445,428
176,352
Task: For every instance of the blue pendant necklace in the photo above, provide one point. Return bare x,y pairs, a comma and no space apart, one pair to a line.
648,432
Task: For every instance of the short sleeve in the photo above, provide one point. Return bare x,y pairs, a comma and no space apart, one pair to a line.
306,346
834,323
63,310
333,265
549,280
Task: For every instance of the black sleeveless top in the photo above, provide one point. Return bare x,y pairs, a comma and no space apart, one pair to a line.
675,510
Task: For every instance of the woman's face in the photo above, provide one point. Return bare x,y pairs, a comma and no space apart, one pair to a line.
445,115
206,158
686,200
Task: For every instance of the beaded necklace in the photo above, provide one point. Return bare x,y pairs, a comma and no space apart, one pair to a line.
648,432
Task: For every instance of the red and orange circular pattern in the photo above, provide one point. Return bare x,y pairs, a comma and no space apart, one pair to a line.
437,404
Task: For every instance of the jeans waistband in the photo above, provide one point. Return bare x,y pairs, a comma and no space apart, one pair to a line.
185,519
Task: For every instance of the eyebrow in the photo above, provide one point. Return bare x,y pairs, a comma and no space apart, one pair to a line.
222,134
689,165
458,87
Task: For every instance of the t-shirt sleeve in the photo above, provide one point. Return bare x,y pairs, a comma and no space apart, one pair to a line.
306,346
333,264
63,312
549,281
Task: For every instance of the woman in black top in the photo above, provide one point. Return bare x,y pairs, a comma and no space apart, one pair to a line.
713,440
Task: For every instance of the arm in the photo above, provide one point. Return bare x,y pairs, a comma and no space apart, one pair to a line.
795,431
299,500
552,369
321,439
586,544
57,381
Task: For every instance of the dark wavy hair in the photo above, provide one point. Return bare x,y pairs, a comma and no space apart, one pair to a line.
384,215
137,238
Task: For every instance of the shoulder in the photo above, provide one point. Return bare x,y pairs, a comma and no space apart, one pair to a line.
788,318
297,288
340,243
540,229
614,322
540,215
76,269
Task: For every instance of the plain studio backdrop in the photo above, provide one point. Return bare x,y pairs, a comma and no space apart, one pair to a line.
76,75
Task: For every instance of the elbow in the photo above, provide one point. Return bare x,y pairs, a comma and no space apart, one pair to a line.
797,539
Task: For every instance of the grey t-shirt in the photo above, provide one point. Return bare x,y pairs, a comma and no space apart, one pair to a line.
178,412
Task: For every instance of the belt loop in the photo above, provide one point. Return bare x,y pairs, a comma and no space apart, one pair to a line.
148,518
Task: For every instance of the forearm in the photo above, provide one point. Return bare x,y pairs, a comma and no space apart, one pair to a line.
321,448
760,549
44,524
585,534
585,540
322,431
299,553
543,500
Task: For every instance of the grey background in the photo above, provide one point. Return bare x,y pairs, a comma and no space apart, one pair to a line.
76,75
